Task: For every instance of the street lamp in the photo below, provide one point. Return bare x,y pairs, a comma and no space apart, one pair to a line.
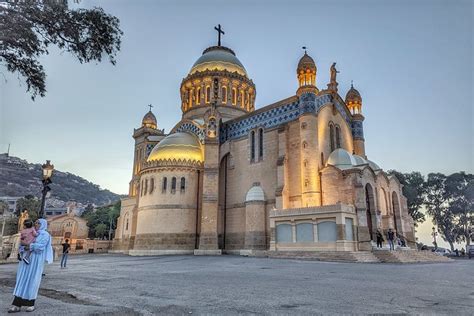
47,174
434,234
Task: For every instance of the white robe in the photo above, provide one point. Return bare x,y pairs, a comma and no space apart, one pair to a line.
28,276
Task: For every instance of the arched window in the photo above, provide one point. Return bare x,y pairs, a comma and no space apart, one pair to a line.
183,184
146,187
224,94
322,159
242,98
338,137
152,185
198,95
173,185
234,96
331,137
252,145
305,144
190,99
208,94
260,143
126,226
165,184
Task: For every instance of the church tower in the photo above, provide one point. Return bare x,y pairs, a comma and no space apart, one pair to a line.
354,103
146,137
306,74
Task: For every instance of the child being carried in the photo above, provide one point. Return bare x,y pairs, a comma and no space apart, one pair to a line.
27,236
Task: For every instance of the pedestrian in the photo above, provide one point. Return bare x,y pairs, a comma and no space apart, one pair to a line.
28,276
390,238
66,247
379,239
27,237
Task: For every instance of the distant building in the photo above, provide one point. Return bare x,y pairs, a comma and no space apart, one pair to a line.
55,211
11,201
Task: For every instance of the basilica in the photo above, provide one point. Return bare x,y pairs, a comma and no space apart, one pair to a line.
230,178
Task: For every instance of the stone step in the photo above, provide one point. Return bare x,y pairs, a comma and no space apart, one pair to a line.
335,256
408,256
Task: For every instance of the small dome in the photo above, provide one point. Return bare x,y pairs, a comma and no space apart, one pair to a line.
359,160
306,62
255,194
341,158
353,96
220,58
149,120
178,146
373,165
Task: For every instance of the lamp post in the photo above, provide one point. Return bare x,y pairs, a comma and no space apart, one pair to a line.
47,173
434,234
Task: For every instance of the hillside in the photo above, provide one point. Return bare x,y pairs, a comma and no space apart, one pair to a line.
20,178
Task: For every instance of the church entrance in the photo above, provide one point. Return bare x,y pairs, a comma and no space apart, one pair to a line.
370,206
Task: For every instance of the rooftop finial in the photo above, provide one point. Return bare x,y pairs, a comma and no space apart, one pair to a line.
150,106
352,83
304,47
219,32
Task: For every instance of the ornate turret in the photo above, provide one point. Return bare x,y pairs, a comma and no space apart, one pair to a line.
306,74
149,120
354,101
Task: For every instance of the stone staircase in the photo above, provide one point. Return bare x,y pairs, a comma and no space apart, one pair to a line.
332,256
408,256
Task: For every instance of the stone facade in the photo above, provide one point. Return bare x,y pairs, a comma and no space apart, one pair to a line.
292,175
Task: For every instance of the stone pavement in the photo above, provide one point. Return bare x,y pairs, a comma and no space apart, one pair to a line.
232,285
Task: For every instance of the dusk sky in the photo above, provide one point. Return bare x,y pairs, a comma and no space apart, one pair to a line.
412,62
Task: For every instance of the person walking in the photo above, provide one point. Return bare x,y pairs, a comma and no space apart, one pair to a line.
391,237
379,239
28,276
66,247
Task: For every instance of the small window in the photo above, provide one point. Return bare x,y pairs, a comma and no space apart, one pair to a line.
126,226
224,94
260,143
252,145
338,137
234,96
173,185
331,137
198,95
242,98
305,144
208,94
152,185
165,184
183,184
146,187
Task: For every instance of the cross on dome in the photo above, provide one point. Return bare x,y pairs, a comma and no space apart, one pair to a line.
219,32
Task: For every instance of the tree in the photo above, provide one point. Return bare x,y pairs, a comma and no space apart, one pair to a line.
106,215
460,195
100,230
29,28
437,205
414,190
29,203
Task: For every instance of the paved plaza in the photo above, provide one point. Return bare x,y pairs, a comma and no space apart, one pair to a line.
230,285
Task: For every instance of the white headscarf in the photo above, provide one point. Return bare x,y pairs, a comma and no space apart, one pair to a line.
42,231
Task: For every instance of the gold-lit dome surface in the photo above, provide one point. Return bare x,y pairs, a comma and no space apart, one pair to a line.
353,96
178,146
306,62
149,120
220,58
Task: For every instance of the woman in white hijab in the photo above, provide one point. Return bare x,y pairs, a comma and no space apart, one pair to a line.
28,276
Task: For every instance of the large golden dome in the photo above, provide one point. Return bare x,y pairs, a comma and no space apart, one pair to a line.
219,58
178,146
